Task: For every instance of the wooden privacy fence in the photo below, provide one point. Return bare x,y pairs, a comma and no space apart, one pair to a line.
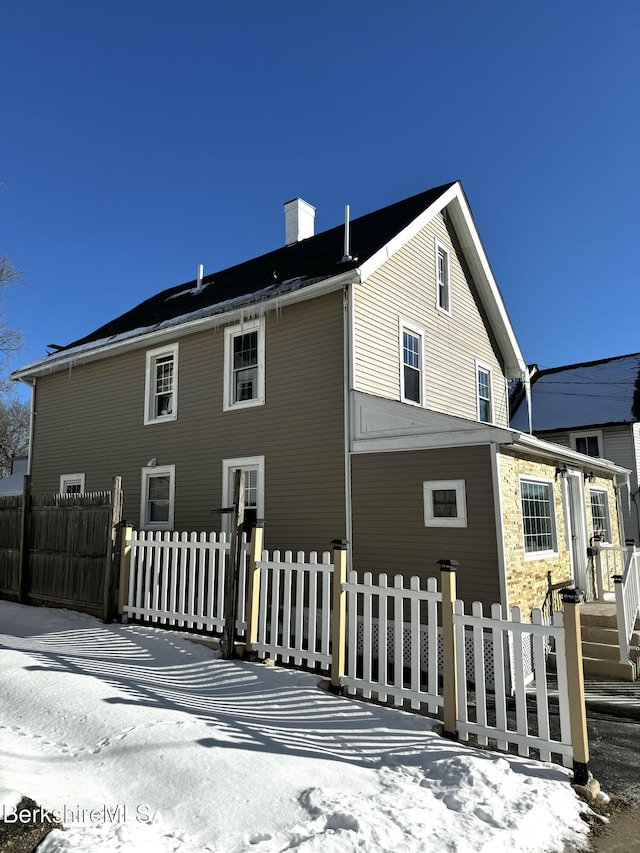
413,644
59,549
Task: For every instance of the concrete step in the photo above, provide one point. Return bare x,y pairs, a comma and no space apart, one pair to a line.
599,666
609,636
599,620
605,651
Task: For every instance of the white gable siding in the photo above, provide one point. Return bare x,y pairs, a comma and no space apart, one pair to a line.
404,289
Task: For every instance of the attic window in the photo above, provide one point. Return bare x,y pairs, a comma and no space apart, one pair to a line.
443,278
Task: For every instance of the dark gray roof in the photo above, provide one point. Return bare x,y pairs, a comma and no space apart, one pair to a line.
305,262
589,394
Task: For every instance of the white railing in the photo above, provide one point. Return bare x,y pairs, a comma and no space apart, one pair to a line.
610,561
483,714
178,579
627,588
294,617
396,651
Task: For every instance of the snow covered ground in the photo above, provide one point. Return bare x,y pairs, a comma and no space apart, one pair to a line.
143,741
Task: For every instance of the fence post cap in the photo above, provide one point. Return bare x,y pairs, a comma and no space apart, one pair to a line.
339,544
570,596
629,542
616,578
259,522
448,565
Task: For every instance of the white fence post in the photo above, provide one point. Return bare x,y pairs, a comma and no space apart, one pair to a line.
449,675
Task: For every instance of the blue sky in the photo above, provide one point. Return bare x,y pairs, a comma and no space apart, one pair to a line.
144,137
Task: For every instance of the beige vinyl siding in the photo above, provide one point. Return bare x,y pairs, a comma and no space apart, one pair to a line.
389,534
90,419
404,288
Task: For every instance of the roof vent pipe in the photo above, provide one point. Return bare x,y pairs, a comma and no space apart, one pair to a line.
299,220
199,281
346,256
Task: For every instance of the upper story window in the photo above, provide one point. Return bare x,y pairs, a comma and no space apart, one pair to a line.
485,393
538,518
158,490
244,365
161,387
411,362
443,278
71,484
599,500
589,443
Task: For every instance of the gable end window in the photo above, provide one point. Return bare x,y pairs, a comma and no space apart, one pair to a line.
411,365
158,492
538,518
445,503
485,393
161,385
443,278
589,443
244,365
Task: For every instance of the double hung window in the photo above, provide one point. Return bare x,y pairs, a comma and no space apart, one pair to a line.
411,362
158,491
244,365
485,395
600,513
538,517
161,387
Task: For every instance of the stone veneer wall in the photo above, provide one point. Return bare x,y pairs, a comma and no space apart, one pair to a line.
527,578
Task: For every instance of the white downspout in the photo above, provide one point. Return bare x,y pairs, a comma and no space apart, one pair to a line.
347,381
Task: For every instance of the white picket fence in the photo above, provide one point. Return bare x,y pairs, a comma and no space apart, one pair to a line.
178,580
394,644
294,620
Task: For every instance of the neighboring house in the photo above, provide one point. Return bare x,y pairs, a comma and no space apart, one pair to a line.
592,407
359,377
13,483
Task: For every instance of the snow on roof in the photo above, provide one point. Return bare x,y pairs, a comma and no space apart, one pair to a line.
588,394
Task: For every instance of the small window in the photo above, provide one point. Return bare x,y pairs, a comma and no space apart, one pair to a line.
538,517
253,467
411,361
244,365
71,484
485,394
443,278
158,490
161,387
589,443
445,503
599,500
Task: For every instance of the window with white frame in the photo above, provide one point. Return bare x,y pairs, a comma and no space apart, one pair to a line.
538,517
411,361
445,503
589,443
158,493
71,484
161,386
485,393
253,467
599,500
443,278
244,365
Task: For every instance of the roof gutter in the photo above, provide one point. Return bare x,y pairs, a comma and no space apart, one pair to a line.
150,337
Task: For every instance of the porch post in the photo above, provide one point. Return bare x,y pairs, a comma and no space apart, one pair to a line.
598,560
575,681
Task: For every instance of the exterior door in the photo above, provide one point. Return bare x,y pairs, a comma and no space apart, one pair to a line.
577,529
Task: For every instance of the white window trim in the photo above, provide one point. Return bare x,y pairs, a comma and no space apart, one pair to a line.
588,433
419,333
230,333
605,492
229,466
480,365
157,470
70,479
440,246
428,487
554,552
149,385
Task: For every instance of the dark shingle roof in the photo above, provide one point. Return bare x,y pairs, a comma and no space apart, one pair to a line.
588,394
313,259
